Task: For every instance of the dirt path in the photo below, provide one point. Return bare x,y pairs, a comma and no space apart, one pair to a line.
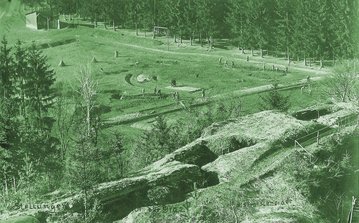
269,61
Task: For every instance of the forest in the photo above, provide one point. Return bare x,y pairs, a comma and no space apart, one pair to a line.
301,29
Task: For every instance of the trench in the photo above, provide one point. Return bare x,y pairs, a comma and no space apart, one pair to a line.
311,114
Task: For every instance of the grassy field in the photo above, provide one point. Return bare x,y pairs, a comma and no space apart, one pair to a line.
120,92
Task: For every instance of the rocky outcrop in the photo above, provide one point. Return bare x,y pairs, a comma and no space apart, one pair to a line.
264,126
166,181
226,151
237,163
196,153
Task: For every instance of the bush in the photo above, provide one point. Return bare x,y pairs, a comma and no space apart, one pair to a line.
274,100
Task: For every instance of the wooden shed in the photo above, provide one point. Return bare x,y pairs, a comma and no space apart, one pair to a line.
40,20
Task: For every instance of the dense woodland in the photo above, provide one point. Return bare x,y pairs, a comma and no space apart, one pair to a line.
300,28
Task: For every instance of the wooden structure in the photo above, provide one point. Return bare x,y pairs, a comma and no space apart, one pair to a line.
41,20
160,31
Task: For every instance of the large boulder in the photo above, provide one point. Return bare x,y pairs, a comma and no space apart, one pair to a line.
237,163
196,153
165,183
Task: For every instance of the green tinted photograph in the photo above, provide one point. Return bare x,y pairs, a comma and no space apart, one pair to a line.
179,111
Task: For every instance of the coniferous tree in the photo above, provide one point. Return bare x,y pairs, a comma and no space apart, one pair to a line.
274,100
21,75
157,142
39,91
137,12
6,72
284,25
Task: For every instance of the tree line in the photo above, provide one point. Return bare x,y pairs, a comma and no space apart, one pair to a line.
321,29
48,133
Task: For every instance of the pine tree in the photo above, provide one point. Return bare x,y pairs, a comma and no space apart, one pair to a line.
274,100
157,142
111,11
284,25
21,75
6,72
39,85
7,126
138,14
205,19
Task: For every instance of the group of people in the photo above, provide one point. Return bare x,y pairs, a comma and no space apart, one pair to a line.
226,63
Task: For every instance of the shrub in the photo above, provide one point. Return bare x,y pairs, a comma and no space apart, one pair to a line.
274,100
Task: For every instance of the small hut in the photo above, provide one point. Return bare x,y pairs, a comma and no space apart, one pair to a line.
40,20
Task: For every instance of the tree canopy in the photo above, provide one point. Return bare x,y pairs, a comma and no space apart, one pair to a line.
322,29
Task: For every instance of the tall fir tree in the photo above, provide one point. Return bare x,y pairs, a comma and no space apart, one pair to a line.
39,89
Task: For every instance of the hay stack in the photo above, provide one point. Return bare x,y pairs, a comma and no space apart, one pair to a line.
62,64
94,60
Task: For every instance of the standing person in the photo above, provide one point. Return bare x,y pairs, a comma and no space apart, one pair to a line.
155,90
309,84
203,93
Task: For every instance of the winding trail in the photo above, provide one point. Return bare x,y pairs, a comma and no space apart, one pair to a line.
238,57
